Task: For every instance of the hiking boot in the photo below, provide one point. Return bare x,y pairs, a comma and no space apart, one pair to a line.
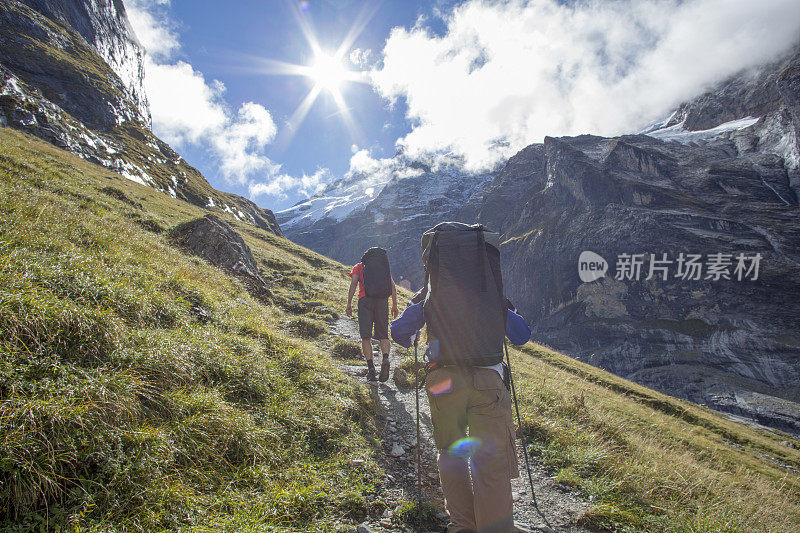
384,371
371,374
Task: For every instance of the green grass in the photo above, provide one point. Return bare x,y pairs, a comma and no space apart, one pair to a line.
413,514
121,411
307,327
343,349
651,462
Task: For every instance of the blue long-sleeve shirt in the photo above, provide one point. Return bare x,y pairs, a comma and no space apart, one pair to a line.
405,327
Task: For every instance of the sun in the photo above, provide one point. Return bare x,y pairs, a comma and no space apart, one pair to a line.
328,72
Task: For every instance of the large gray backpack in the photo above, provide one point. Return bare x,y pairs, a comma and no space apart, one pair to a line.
464,306
377,275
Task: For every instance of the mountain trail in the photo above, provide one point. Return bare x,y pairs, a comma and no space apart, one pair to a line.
396,424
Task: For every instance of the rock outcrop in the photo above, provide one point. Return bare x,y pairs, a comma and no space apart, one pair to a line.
218,243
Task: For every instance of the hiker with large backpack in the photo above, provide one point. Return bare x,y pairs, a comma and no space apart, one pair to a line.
375,282
467,318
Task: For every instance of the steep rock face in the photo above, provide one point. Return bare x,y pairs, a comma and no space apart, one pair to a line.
71,73
62,64
415,198
105,26
729,188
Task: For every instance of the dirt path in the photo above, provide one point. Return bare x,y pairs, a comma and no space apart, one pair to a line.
398,430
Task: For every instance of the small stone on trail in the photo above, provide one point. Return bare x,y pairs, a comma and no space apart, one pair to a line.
363,528
397,451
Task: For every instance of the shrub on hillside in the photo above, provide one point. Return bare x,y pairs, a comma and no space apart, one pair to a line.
343,349
307,327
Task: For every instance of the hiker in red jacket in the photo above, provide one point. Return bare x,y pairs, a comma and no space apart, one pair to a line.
375,282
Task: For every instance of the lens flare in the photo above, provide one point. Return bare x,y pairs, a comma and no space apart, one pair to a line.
465,448
442,387
303,5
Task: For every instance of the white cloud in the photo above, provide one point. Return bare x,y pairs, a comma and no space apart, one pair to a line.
505,74
153,28
361,58
362,161
379,171
185,108
188,109
239,144
279,184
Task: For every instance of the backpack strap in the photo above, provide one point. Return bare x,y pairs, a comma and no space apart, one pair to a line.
481,259
433,263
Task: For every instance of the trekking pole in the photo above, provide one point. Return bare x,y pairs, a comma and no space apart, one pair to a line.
419,466
522,436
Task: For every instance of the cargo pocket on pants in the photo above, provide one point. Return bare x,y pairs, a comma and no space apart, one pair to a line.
513,464
488,400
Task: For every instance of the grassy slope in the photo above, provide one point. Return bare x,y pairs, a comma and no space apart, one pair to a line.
651,462
121,410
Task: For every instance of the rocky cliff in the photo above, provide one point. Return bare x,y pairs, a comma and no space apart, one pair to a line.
71,73
719,177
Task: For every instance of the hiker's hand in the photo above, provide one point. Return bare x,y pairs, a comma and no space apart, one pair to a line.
394,310
348,310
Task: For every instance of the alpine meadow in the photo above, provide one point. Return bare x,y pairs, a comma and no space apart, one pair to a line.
175,356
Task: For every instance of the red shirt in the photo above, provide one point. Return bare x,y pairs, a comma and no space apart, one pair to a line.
358,270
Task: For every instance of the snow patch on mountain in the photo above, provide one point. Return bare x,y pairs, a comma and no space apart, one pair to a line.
335,204
677,132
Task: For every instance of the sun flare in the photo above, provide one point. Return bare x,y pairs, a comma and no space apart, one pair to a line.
328,72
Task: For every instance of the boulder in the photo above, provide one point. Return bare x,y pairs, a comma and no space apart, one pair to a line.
218,243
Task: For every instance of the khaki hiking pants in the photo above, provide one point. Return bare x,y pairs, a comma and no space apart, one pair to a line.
474,433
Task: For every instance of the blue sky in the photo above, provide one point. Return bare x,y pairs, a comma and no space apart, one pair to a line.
222,42
476,79
213,36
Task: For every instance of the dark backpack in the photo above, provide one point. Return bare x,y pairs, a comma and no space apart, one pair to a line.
377,276
464,308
